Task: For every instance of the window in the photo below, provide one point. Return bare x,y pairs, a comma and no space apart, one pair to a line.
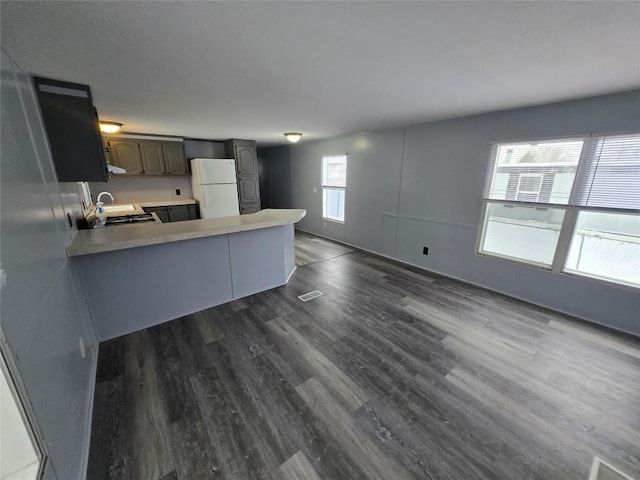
567,205
334,183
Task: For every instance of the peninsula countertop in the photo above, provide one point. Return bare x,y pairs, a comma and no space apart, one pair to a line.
108,239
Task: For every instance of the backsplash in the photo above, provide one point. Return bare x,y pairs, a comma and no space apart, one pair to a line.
144,189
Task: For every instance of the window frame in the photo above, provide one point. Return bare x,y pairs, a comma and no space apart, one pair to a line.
572,211
326,187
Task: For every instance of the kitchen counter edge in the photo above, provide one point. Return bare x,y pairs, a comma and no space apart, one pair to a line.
109,239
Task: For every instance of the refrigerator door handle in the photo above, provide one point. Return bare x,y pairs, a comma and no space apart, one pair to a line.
203,200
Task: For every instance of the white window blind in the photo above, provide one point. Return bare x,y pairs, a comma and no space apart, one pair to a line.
541,172
334,171
610,174
334,183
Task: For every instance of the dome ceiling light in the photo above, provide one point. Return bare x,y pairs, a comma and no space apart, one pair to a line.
293,137
110,127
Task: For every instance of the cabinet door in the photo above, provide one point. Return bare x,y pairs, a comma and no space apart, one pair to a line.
71,125
246,160
152,159
160,211
193,212
125,154
248,189
178,213
174,159
250,208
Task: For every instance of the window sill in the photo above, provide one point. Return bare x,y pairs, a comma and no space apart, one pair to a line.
545,268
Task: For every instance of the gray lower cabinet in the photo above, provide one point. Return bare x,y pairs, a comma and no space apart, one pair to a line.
179,213
162,213
174,213
244,153
147,157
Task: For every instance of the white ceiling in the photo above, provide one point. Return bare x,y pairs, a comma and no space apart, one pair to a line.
257,69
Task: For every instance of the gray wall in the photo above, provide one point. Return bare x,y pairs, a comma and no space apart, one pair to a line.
421,186
194,148
44,307
275,177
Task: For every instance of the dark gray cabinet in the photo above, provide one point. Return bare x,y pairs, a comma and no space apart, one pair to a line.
174,213
249,189
249,208
152,158
174,159
244,153
162,213
125,154
147,157
246,158
71,124
179,213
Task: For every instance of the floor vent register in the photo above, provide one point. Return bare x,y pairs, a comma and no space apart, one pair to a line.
310,296
601,470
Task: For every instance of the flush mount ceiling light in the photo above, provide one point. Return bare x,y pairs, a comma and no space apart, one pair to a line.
110,127
293,137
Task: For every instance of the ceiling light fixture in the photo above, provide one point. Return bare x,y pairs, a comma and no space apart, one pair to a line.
110,127
293,137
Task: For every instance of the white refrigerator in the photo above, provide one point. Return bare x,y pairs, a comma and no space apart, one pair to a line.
213,181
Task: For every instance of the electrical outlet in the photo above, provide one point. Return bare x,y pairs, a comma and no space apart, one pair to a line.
177,191
324,224
83,352
425,250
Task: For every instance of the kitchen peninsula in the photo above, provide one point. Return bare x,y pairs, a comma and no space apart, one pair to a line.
158,272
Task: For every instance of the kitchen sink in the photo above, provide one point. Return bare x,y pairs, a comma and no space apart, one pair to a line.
127,220
119,208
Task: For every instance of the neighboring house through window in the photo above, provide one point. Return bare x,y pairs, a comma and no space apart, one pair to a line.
334,184
566,205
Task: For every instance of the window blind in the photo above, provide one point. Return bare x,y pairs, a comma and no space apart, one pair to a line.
540,172
334,171
610,174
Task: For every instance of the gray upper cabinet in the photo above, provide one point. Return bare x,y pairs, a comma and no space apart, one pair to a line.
71,124
147,157
174,159
126,154
244,152
152,158
246,159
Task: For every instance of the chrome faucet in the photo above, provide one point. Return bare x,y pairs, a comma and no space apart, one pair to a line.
100,222
105,193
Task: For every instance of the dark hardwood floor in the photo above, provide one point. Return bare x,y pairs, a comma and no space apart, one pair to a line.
391,374
311,248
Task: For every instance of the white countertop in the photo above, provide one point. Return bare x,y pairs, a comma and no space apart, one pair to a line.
167,203
120,237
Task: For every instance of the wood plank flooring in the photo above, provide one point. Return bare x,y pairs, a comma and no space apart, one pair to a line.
391,374
311,248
